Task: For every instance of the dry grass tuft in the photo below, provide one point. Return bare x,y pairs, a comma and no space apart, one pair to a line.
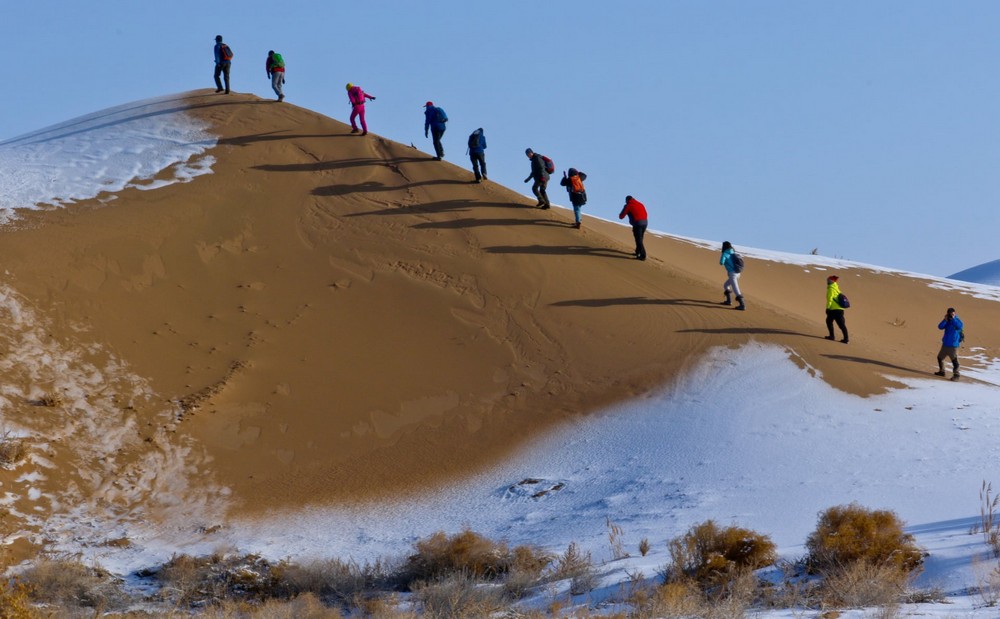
458,595
712,556
471,554
848,534
989,523
578,567
644,546
200,581
69,584
13,448
862,584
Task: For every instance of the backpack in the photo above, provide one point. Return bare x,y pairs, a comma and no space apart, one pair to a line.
474,140
441,116
738,264
277,61
842,301
961,336
226,52
550,166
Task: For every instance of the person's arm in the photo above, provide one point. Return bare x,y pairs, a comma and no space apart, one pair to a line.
368,96
624,212
722,258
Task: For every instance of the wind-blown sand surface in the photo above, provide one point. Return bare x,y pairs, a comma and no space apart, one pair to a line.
329,318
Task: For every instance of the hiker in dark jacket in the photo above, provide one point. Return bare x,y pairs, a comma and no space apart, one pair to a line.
540,176
275,67
573,182
477,154
222,63
952,326
435,119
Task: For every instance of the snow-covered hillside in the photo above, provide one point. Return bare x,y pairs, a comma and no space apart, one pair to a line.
987,273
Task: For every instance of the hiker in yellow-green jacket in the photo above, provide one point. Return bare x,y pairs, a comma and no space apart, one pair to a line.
835,305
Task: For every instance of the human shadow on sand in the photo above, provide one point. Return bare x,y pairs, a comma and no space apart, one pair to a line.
372,186
749,331
560,250
470,222
340,164
874,362
442,206
637,301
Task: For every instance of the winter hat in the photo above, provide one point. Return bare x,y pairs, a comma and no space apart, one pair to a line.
832,278
429,104
218,37
573,172
951,310
350,85
629,198
529,152
727,245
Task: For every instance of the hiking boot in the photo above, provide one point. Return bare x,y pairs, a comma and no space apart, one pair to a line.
829,337
845,341
741,305
484,178
955,377
281,98
355,130
729,297
364,133
218,90
437,159
576,225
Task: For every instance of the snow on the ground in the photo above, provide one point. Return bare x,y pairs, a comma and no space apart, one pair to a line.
103,153
748,438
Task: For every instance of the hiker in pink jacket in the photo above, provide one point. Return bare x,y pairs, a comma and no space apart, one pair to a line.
357,98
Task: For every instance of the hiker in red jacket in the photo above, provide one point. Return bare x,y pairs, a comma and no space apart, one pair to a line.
357,98
636,212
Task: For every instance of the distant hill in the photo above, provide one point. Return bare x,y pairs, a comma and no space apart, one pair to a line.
986,273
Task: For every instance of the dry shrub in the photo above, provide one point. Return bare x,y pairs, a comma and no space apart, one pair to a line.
70,584
470,554
201,580
644,546
458,595
13,449
713,556
848,534
578,567
861,584
15,600
342,580
306,606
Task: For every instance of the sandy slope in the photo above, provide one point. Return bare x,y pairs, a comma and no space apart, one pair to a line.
329,316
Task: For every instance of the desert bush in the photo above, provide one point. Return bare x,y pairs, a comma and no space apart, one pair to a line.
306,606
335,578
616,538
644,546
862,584
201,580
989,523
471,554
70,584
458,595
13,448
712,556
578,567
15,600
849,534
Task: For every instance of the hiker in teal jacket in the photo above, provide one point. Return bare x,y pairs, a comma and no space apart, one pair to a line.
732,285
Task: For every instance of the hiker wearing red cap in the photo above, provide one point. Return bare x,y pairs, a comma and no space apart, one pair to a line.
636,212
357,98
435,119
836,302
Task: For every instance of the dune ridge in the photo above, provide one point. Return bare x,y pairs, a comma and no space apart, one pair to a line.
333,318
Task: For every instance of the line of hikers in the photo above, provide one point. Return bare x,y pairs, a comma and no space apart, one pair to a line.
542,168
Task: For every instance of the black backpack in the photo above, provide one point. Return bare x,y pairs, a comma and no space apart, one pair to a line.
474,139
738,263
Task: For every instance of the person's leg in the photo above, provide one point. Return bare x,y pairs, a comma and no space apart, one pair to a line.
829,324
576,215
639,231
354,115
735,279
218,75
953,353
438,147
542,184
482,163
361,117
474,158
535,189
940,359
842,323
276,83
225,74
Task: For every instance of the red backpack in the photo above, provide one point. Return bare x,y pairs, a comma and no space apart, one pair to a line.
225,52
550,167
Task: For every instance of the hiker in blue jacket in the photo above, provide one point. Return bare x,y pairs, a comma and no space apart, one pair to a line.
952,326
435,119
477,154
223,62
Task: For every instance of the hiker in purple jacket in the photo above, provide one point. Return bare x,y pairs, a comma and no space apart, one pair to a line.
357,98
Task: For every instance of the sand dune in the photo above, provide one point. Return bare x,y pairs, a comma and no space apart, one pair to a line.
330,317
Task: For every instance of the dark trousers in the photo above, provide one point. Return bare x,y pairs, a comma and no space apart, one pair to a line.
222,69
639,231
538,188
438,148
948,352
478,164
836,316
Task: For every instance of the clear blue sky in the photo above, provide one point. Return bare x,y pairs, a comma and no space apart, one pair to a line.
864,129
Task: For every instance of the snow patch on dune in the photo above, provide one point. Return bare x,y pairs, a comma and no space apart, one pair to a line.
146,144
